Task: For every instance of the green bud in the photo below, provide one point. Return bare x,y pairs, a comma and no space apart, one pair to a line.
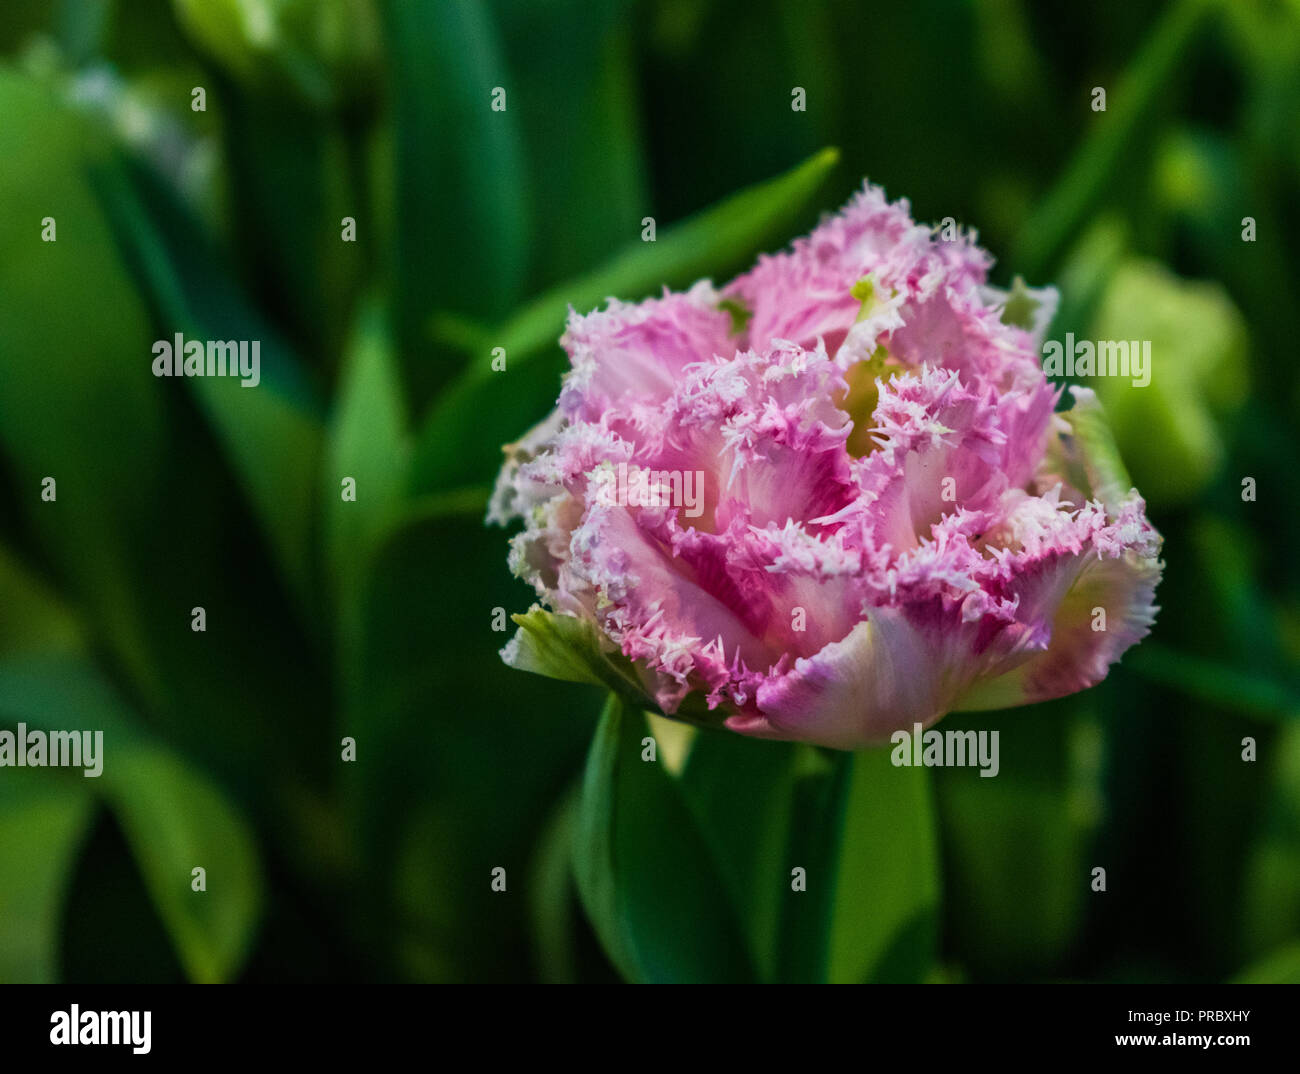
1170,430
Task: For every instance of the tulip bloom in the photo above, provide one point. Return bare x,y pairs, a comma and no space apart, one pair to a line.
890,518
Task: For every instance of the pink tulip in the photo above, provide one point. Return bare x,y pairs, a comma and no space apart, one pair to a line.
856,511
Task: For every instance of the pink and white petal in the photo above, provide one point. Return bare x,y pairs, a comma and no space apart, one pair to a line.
897,668
653,605
806,293
1079,655
634,353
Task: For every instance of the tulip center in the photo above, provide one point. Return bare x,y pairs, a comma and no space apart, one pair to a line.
859,402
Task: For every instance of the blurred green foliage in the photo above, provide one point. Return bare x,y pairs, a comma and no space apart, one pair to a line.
373,619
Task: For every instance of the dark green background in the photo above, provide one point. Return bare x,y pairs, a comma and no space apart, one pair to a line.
373,619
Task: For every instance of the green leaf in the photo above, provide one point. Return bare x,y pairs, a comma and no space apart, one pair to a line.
42,825
862,830
1280,967
77,404
720,237
580,132
644,872
822,781
145,519
173,816
440,722
461,186
1270,897
272,433
741,793
553,902
1218,685
292,178
35,621
884,926
83,28
176,820
568,648
1015,845
1115,132
460,438
368,444
318,51
44,691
